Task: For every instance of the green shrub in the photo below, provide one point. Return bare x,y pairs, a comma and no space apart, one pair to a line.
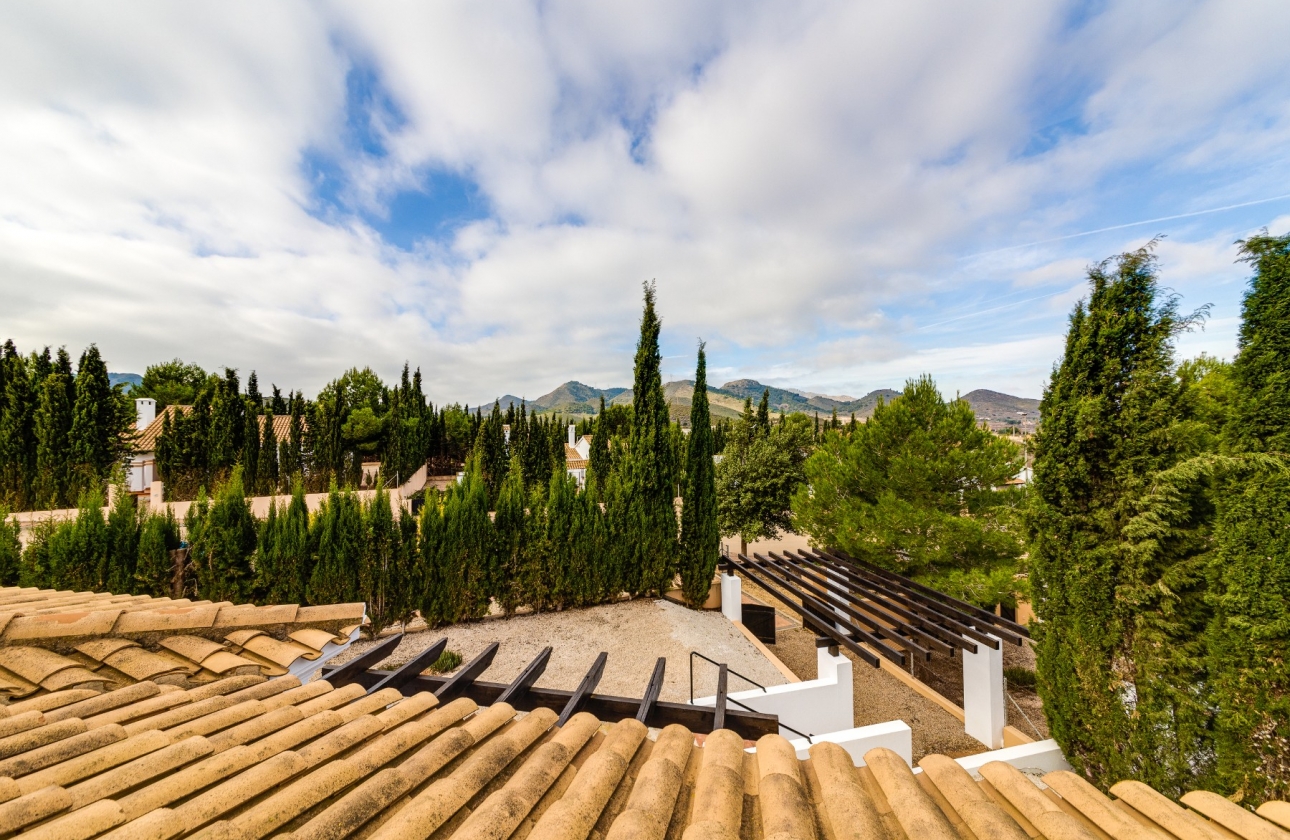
1018,677
447,661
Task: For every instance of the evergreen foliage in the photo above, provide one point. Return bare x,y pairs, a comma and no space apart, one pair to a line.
123,543
10,550
650,515
1115,618
101,417
700,537
510,522
760,469
78,550
225,544
598,462
53,452
338,539
154,571
383,576
894,493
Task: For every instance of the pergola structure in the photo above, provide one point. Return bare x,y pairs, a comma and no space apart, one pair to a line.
523,695
873,612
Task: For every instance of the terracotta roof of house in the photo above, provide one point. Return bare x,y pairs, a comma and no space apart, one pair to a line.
146,440
56,640
573,459
246,757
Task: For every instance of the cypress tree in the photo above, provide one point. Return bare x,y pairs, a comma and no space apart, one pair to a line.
700,539
227,423
339,524
1107,414
268,559
382,582
763,413
433,574
511,529
1249,634
598,458
123,543
154,571
52,424
267,471
10,550
294,550
562,573
277,405
650,516
222,551
253,392
78,549
17,433
470,533
94,442
250,458
36,557
490,446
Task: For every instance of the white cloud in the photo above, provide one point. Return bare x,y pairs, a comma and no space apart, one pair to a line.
808,184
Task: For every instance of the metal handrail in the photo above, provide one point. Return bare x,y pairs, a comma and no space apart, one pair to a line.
730,699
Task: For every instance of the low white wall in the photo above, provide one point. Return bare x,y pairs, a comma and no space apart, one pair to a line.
895,735
819,706
1039,757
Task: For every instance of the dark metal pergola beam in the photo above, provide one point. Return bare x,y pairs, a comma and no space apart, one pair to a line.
414,667
462,680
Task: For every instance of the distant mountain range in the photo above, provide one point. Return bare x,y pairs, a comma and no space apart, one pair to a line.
131,380
576,399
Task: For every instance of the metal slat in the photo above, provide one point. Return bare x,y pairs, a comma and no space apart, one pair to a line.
419,663
588,685
527,677
345,673
461,680
719,715
652,690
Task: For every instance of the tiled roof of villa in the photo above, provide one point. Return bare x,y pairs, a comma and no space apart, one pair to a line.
573,459
54,640
146,439
245,757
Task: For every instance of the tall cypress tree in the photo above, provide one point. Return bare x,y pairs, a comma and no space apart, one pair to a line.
598,459
433,574
95,441
10,550
154,571
700,539
17,432
267,471
123,544
382,577
334,579
1107,417
53,422
78,549
227,423
651,516
222,553
250,458
1249,634
763,412
511,527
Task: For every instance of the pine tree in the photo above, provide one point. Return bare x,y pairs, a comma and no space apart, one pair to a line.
1108,414
700,540
339,539
651,515
53,422
123,543
154,571
222,552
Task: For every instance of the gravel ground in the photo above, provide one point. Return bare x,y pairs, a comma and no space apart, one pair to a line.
634,633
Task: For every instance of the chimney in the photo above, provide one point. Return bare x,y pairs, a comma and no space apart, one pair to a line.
145,411
572,440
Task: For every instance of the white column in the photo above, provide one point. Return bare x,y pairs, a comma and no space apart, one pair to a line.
983,701
732,597
156,495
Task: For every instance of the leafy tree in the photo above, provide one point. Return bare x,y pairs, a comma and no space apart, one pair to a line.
10,550
223,549
154,571
339,540
650,515
1113,417
53,423
914,491
700,538
123,543
758,473
172,383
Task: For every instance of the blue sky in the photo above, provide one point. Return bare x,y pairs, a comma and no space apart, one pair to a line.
836,196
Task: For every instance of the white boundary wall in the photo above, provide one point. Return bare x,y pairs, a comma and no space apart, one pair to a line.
1038,757
895,735
824,704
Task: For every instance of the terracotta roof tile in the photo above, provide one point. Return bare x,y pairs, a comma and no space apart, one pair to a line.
247,757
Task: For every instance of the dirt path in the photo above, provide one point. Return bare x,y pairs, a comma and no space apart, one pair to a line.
634,633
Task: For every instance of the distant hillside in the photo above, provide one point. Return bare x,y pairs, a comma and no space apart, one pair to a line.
1004,411
576,399
131,380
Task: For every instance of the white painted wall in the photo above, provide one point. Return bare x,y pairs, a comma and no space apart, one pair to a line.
816,707
895,735
984,714
1038,757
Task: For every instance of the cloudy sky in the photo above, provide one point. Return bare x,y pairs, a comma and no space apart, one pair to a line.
836,196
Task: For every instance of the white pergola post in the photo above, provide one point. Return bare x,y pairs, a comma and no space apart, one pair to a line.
732,597
984,713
